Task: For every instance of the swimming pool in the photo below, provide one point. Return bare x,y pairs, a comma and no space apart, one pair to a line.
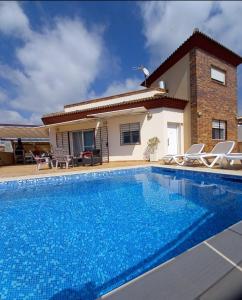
80,236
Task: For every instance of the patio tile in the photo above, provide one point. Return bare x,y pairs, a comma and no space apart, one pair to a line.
229,244
186,277
237,227
228,288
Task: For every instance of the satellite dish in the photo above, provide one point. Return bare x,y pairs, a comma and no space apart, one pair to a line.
144,70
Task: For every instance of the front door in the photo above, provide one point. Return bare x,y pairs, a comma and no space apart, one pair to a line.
173,138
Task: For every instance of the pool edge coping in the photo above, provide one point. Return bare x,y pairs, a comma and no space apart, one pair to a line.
173,167
36,176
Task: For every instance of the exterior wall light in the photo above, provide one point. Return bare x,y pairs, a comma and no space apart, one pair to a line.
149,115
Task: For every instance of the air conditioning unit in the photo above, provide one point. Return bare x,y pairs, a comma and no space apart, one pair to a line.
162,84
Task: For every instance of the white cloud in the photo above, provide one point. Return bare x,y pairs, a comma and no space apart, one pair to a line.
119,87
12,117
226,24
58,65
13,20
3,96
168,24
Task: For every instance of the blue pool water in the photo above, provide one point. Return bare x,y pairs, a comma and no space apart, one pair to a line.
78,237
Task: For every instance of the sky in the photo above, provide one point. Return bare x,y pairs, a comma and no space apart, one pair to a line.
55,53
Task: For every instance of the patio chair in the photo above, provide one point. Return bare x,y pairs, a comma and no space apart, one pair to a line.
179,158
61,157
41,161
216,155
92,157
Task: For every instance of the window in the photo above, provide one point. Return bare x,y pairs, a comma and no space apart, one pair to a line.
218,75
219,130
130,134
6,146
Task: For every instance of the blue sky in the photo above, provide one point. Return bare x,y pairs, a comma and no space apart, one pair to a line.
55,53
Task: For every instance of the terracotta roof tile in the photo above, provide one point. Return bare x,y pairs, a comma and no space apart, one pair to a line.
200,40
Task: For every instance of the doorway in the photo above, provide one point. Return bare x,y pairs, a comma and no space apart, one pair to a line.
173,141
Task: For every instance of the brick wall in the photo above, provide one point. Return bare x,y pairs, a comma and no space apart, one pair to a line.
211,100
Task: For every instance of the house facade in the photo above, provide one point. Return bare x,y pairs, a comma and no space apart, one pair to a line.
190,98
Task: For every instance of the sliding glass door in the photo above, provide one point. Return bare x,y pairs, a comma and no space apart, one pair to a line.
88,140
77,142
83,141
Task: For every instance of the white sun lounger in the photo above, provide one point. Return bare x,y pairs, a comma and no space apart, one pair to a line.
193,150
231,157
216,155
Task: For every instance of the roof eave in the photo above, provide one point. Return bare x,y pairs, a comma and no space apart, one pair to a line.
196,40
154,102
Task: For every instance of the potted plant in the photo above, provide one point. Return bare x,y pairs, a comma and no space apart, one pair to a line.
152,146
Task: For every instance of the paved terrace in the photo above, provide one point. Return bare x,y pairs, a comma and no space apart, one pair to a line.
30,170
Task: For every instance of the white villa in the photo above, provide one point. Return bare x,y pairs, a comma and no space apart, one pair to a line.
197,105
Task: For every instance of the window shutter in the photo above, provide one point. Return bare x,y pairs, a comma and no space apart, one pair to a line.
62,141
129,133
218,75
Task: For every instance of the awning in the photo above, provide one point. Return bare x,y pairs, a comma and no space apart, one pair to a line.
28,132
71,122
129,111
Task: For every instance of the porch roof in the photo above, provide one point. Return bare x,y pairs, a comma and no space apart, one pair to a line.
115,99
156,101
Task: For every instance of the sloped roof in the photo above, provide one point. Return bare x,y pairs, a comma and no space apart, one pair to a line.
114,99
196,40
131,93
159,100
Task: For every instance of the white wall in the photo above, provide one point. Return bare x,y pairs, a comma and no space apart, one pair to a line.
156,126
177,80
